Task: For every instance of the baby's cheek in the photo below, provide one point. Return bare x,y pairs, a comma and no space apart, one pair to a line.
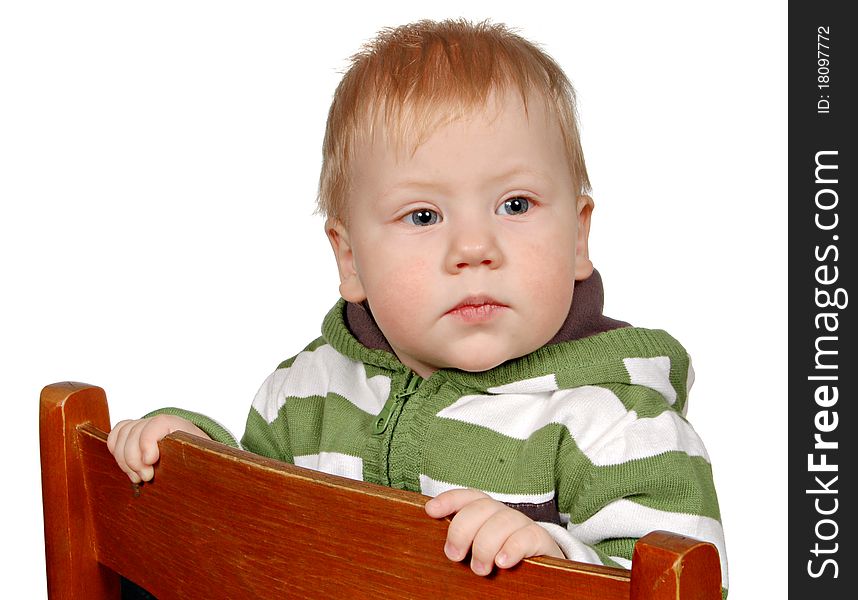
551,274
400,295
407,278
550,284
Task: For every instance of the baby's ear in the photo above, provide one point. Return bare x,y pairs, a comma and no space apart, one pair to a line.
351,287
583,264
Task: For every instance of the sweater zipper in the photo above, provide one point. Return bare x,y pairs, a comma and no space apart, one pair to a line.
383,418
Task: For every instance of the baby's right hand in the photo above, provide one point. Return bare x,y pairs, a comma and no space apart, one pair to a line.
134,444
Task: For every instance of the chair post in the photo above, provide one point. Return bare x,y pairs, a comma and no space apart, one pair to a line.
666,566
73,571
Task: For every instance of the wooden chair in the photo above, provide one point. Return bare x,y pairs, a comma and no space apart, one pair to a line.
223,523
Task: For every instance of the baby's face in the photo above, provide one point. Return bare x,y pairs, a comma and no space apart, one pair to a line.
467,250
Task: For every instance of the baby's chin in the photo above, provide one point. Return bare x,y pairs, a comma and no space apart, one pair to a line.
478,362
472,355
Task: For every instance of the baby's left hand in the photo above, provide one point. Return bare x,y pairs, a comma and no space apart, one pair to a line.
495,533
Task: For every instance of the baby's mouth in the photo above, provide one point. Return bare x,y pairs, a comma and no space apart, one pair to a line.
476,309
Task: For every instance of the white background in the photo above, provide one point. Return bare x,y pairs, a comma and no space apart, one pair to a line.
159,163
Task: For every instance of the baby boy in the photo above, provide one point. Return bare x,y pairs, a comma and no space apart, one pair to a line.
468,358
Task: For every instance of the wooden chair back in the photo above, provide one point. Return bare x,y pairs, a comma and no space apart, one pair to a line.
222,523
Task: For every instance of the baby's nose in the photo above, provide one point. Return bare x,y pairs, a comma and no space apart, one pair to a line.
472,250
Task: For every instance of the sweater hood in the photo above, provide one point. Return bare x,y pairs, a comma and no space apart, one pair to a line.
589,349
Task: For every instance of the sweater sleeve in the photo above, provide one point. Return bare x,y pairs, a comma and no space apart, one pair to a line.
212,428
266,432
620,480
267,429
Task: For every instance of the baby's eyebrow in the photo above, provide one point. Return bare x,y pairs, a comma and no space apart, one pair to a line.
521,170
430,184
414,183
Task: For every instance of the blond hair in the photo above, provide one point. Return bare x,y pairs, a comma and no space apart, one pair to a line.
413,78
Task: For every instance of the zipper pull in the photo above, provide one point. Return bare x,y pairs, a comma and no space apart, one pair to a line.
411,387
383,418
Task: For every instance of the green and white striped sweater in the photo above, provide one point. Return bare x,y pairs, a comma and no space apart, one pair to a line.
585,436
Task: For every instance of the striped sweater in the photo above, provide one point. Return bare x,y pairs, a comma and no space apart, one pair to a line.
586,436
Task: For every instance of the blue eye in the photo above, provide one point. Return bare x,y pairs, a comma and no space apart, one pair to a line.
423,217
514,206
